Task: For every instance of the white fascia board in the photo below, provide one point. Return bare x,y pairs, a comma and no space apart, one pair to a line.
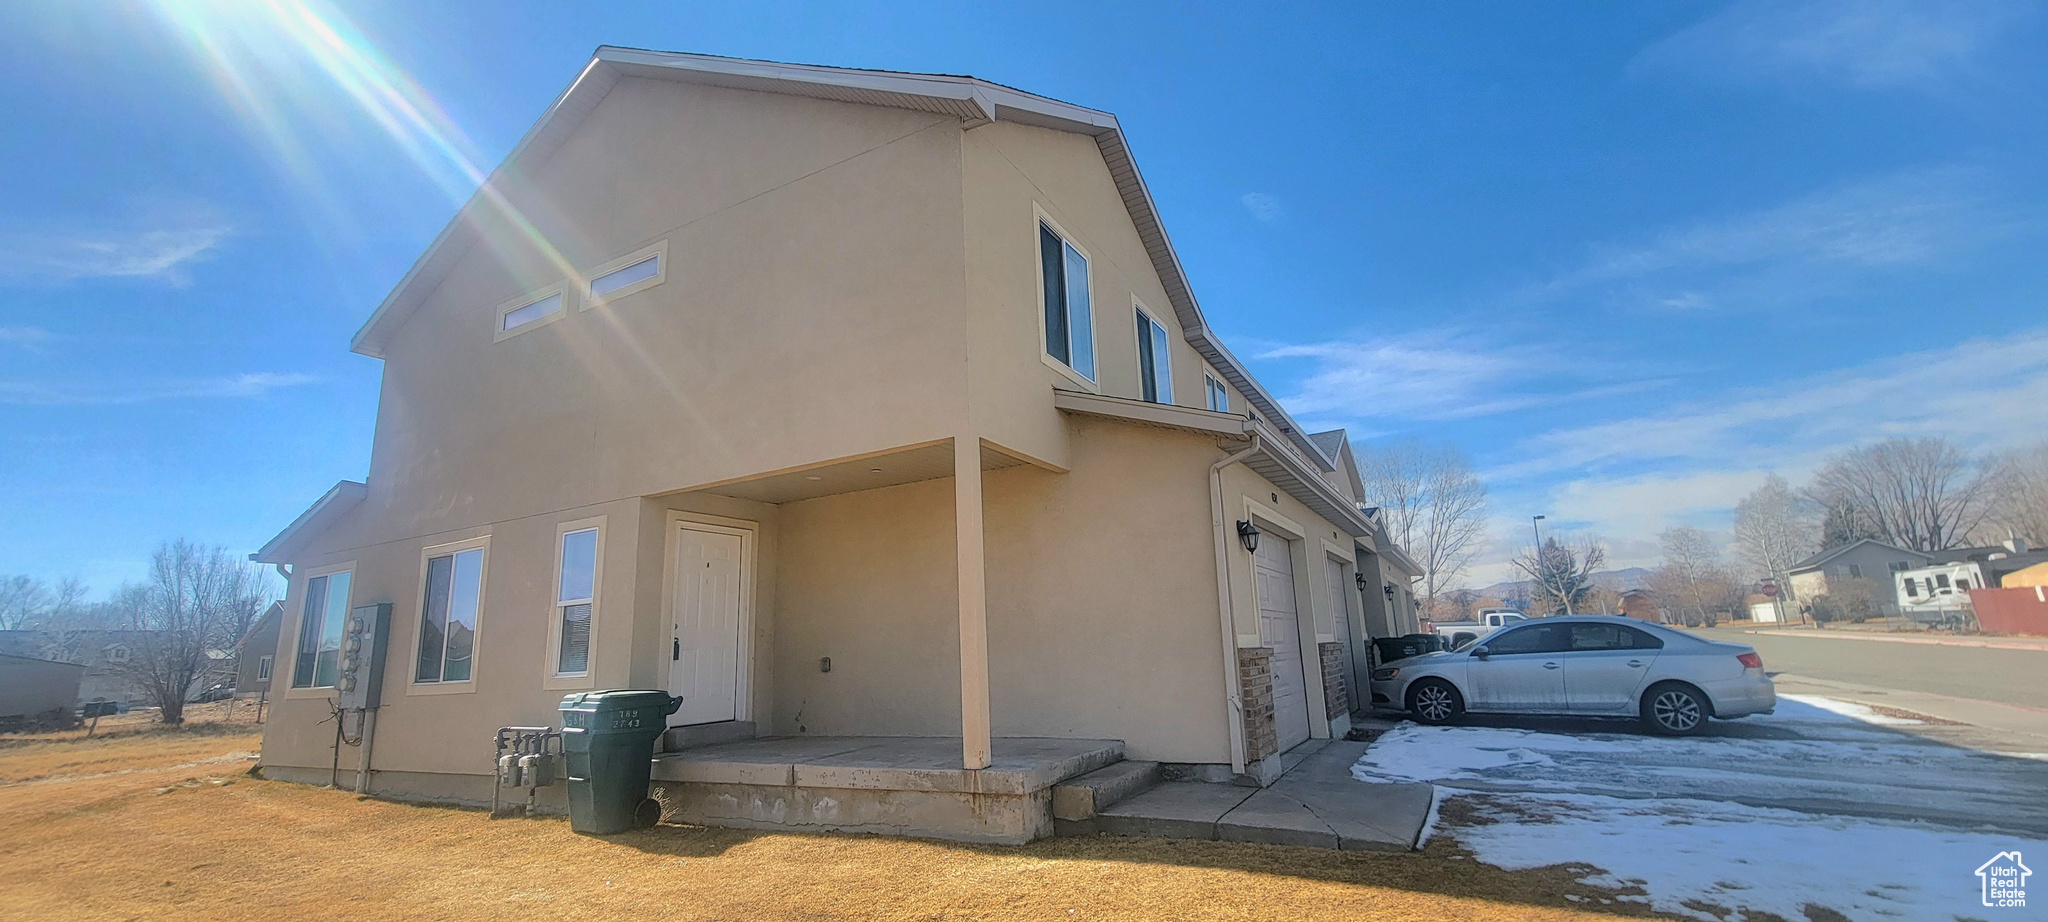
337,501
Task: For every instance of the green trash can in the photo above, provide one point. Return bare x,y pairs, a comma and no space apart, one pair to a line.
609,739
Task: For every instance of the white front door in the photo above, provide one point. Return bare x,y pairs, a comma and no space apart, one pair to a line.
1281,626
704,646
1340,610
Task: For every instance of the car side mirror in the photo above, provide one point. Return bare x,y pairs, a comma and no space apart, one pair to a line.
1481,651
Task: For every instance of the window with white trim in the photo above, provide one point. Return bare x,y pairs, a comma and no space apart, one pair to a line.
1069,327
448,616
263,669
1219,398
529,313
1155,365
321,616
619,278
575,601
630,274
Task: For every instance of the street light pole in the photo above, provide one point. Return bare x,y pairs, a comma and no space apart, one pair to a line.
1538,533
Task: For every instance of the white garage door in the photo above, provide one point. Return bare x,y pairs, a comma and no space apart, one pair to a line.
1281,627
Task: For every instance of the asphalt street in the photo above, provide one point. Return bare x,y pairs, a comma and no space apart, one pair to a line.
1986,674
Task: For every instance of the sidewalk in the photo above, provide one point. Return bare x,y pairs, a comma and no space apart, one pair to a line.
1998,643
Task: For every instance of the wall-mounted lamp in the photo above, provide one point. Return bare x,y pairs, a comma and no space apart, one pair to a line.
1248,535
1360,579
1389,589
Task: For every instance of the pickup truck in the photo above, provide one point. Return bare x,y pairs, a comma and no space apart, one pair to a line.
1459,633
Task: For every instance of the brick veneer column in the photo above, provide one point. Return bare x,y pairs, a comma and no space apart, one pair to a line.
1335,699
1255,678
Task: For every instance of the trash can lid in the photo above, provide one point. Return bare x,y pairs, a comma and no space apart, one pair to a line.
619,699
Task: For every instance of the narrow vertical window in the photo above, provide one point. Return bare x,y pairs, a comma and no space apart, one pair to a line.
321,620
575,598
1069,328
263,669
1155,372
452,600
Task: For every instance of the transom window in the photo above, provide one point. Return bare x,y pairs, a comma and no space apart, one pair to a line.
1219,398
321,619
1069,327
530,313
629,274
575,601
619,278
448,615
1155,371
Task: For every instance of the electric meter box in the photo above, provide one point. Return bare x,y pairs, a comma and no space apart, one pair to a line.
360,680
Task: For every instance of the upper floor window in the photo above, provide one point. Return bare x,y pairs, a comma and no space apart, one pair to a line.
1855,572
634,272
1219,399
321,618
448,615
1155,372
521,314
1069,327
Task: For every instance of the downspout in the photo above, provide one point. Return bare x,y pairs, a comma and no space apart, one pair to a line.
1233,693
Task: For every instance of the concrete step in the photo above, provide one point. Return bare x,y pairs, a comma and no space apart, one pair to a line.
1174,810
1077,799
678,739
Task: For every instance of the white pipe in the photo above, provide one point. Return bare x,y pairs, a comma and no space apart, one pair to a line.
1232,690
363,762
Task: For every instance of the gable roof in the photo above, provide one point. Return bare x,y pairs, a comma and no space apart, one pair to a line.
325,511
973,101
1819,560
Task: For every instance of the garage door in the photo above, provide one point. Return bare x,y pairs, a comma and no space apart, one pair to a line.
1281,628
1340,607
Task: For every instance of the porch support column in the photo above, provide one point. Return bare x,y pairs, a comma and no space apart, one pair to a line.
967,537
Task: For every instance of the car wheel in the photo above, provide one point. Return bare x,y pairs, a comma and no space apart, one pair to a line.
1674,710
1435,702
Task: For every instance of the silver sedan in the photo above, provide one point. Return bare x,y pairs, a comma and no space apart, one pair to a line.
1583,665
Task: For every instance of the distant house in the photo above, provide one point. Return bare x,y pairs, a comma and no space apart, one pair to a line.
104,654
256,653
1835,570
30,686
1638,603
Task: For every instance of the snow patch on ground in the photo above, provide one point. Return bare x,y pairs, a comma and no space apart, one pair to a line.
1728,855
1658,814
1850,710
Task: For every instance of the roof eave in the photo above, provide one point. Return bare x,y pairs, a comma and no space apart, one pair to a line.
331,506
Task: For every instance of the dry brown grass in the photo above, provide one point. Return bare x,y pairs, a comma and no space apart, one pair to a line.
146,836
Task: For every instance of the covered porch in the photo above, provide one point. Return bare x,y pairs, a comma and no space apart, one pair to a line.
892,785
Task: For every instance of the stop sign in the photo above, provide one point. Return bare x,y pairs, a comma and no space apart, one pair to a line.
1770,590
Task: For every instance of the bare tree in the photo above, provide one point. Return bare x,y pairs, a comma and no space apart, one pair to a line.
1774,529
1924,494
1433,505
196,600
1691,577
1563,574
22,600
2018,498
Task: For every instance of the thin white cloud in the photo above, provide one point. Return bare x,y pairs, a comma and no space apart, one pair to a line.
25,337
1262,206
1867,44
158,242
1433,375
1984,393
258,384
1827,240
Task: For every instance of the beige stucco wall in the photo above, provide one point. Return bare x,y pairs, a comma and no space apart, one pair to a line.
841,279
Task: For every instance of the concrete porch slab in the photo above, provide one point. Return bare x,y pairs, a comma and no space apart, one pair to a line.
903,763
892,785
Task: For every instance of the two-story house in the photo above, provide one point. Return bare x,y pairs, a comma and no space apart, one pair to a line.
844,404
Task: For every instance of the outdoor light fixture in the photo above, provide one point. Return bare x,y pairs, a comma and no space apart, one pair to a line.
1360,579
1249,535
1389,589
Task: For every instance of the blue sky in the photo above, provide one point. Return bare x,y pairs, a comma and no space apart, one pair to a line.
1630,257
